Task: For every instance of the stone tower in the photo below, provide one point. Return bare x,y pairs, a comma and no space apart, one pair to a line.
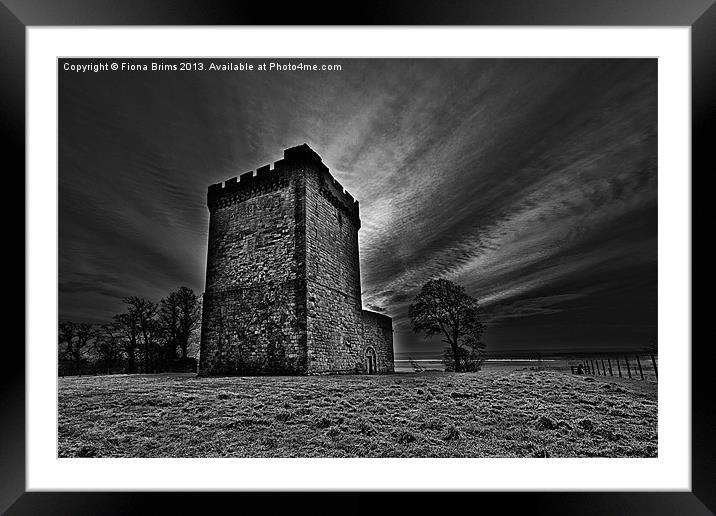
283,293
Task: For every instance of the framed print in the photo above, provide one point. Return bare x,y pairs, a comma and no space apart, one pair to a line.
270,256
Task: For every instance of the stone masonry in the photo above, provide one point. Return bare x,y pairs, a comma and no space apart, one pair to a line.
283,293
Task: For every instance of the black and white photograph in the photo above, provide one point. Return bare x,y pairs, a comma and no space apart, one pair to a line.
357,257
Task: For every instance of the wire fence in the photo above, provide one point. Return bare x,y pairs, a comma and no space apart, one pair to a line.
630,366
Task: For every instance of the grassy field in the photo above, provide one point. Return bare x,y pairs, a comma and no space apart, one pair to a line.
499,412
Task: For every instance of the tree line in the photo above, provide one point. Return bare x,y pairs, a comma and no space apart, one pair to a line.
147,337
153,337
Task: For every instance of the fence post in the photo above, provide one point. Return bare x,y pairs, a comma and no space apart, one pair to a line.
598,372
592,361
619,368
656,371
640,371
604,369
609,361
626,359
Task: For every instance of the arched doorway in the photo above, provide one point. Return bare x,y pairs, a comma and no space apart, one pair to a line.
371,364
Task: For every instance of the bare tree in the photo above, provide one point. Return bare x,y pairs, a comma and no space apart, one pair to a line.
179,314
444,308
67,333
127,325
169,321
85,333
144,313
107,346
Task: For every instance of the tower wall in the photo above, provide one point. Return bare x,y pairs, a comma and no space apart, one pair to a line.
283,292
253,318
333,278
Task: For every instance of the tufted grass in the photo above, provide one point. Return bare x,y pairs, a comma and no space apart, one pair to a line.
494,413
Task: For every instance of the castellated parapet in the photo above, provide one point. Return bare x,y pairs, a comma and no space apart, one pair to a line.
283,292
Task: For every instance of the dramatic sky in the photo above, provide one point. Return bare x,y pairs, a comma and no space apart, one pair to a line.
531,182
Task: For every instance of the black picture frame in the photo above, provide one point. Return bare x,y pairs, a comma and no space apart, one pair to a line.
17,15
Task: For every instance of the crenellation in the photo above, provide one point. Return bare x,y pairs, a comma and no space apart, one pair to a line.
302,156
